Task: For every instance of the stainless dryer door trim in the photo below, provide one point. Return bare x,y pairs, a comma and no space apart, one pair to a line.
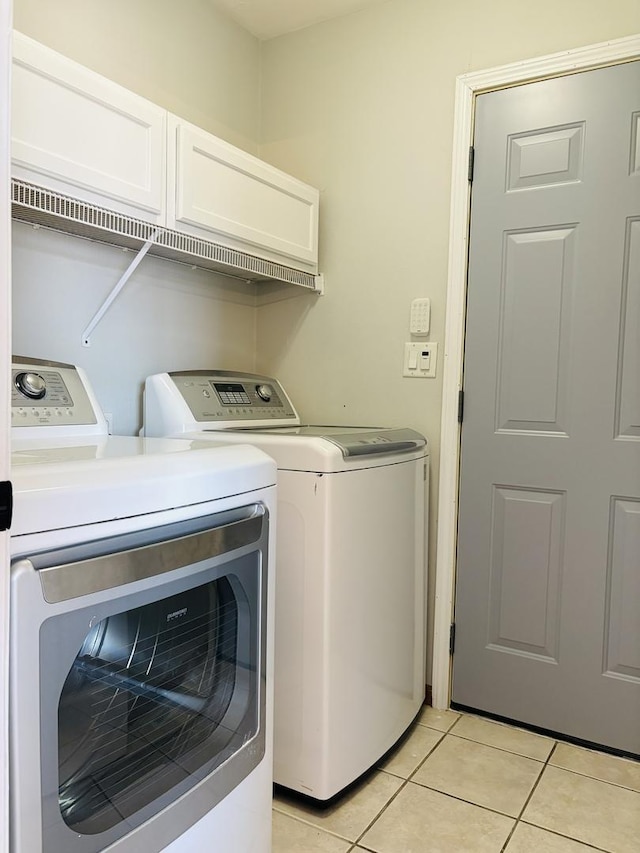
77,577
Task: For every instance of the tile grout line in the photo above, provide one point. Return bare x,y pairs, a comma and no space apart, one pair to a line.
445,793
596,778
404,784
528,798
480,743
409,779
499,748
519,819
405,781
565,837
545,763
444,734
466,802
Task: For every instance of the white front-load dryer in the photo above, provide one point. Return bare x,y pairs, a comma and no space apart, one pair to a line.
350,600
141,635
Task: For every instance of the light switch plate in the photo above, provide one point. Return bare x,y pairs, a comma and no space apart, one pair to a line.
420,360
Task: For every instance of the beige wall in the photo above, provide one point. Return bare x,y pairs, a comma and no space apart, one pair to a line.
362,107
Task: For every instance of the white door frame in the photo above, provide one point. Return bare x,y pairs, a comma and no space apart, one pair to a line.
5,385
467,87
5,365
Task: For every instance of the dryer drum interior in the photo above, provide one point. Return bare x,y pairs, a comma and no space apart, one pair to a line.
143,705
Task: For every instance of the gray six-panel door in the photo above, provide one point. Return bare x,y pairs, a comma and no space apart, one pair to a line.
548,572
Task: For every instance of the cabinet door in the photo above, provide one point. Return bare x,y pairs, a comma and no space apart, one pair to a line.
223,194
80,134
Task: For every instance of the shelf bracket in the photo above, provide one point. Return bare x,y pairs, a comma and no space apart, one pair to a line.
102,310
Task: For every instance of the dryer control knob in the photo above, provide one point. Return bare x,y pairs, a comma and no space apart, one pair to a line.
264,392
31,385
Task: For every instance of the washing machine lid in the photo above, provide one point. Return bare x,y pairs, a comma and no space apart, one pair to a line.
355,441
295,450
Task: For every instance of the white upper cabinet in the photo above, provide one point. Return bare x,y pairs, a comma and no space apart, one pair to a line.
223,194
80,134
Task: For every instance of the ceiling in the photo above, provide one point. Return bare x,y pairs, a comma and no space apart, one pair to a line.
268,18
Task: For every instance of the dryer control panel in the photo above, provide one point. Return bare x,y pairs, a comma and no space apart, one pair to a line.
49,394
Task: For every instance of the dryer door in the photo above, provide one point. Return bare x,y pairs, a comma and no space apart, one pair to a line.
144,690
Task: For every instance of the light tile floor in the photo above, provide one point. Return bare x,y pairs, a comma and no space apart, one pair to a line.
461,783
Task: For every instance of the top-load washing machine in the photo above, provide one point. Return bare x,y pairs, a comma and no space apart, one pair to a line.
350,601
141,635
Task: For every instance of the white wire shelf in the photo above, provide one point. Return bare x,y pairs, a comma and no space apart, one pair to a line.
48,209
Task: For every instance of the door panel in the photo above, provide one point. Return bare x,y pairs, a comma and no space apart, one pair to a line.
547,156
548,583
526,551
623,594
536,289
628,402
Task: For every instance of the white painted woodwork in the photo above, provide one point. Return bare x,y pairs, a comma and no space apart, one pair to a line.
79,133
228,196
5,385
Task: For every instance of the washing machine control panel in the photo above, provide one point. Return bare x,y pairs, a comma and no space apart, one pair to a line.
48,394
216,397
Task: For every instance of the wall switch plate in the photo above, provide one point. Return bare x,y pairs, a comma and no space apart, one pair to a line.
420,359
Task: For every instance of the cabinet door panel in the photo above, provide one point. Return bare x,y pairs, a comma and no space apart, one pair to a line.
78,133
228,196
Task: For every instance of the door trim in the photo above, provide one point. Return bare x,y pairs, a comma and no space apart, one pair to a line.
6,22
467,87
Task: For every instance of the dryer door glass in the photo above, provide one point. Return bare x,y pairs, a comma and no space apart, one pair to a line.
155,693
